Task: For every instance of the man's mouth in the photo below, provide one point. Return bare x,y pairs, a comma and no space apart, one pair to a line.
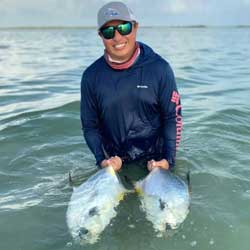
120,45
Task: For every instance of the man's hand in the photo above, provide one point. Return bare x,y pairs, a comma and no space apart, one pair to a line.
162,164
115,162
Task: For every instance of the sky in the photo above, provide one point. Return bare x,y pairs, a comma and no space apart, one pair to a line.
16,13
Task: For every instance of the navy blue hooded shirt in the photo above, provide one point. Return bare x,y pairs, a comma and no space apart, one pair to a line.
133,113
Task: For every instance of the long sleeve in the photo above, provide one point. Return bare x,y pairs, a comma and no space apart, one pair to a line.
90,120
171,116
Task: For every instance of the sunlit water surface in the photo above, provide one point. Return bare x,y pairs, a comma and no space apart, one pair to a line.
41,138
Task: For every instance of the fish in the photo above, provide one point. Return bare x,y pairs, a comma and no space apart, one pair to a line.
93,204
165,199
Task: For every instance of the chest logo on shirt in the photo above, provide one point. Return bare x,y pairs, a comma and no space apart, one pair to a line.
142,86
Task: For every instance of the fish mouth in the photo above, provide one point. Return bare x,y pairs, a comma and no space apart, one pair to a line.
86,237
168,227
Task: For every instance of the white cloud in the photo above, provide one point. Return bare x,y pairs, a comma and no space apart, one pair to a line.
150,12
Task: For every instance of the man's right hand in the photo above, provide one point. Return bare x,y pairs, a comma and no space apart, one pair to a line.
161,164
115,162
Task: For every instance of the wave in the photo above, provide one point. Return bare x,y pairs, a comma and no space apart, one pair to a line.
23,116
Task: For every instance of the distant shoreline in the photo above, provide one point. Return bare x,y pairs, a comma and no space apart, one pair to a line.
94,27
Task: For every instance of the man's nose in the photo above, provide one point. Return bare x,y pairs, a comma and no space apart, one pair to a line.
117,36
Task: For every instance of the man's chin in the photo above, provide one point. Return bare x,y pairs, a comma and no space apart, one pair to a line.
121,56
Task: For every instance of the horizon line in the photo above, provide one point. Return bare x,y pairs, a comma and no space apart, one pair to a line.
145,26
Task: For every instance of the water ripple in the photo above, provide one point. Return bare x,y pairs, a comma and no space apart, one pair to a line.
41,138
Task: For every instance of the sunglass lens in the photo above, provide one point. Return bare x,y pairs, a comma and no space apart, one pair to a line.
108,32
125,28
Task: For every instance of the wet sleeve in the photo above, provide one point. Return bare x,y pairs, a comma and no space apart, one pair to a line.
171,115
90,120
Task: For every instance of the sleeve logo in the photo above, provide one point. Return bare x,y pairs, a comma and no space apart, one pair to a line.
175,98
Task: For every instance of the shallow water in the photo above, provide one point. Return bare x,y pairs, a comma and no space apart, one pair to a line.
41,138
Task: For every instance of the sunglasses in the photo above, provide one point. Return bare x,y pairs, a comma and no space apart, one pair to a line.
123,28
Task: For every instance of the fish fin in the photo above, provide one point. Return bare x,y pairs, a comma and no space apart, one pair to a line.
138,190
111,170
120,197
70,180
189,182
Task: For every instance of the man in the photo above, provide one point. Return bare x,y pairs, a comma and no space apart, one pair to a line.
130,106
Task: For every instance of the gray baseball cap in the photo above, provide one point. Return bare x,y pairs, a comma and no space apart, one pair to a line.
114,11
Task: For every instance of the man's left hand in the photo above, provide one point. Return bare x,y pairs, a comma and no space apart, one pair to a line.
115,162
161,164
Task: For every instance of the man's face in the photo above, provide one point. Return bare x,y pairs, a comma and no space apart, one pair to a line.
120,47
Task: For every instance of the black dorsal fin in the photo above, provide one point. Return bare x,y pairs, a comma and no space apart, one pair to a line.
70,180
189,181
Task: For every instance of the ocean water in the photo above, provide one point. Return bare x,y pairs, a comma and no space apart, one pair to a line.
41,138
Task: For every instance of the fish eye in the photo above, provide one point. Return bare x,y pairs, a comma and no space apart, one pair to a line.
93,211
82,232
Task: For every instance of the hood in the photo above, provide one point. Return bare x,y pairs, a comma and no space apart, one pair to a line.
147,55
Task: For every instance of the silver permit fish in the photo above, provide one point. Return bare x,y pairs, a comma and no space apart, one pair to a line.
92,205
165,198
